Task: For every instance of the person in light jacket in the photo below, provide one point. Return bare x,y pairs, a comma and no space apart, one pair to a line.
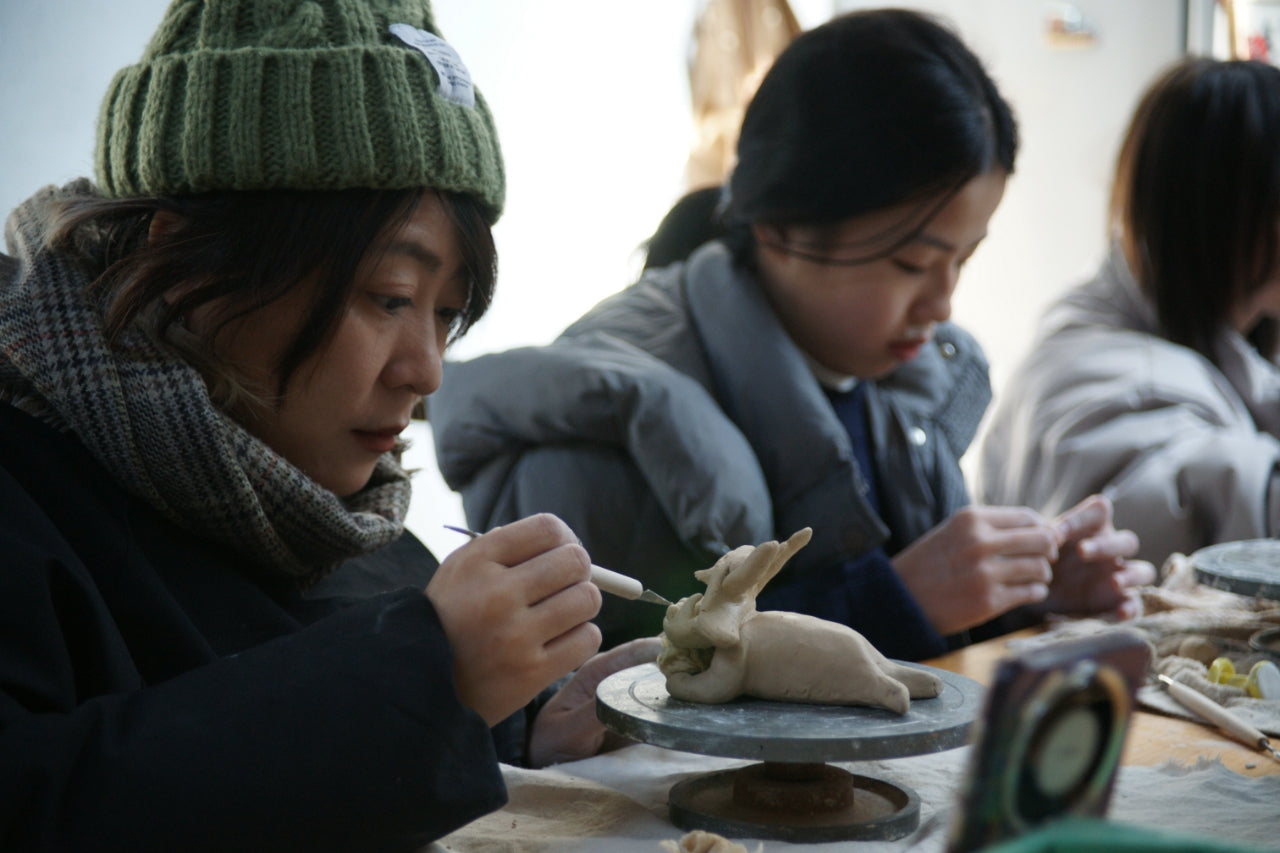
1156,381
798,372
215,633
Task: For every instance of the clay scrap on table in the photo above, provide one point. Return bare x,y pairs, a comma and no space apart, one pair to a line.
717,646
701,841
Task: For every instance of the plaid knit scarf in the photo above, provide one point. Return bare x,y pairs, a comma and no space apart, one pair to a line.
146,416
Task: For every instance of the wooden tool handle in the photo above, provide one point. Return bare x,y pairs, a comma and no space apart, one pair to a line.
1214,713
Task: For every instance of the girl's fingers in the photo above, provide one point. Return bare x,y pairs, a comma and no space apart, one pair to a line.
548,574
1016,571
573,648
1026,542
523,540
1085,518
1136,573
1005,517
1113,544
1018,595
564,610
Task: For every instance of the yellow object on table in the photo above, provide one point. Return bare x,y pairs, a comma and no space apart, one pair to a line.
1263,680
1223,671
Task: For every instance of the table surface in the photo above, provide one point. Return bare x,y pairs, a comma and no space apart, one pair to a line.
1153,738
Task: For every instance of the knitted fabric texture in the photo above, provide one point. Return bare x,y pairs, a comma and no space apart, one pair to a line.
273,94
146,416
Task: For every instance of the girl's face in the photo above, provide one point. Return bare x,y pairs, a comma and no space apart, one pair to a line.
347,403
1263,302
867,319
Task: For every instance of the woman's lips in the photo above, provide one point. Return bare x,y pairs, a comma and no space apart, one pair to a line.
907,350
379,441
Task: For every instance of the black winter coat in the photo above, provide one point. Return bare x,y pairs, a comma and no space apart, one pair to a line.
159,693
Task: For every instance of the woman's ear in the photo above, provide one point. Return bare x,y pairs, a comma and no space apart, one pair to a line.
163,224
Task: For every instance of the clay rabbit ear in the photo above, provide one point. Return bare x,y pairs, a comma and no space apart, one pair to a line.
742,580
784,552
715,576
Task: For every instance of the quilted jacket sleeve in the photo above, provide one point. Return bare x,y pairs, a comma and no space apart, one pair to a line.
585,396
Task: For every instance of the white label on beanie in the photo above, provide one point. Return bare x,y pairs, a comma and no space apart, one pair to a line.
455,79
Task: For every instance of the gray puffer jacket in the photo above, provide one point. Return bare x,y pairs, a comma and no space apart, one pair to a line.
677,419
1186,449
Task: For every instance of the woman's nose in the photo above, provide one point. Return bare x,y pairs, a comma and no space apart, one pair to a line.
417,363
935,303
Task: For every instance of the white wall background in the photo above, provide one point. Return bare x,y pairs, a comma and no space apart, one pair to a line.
591,101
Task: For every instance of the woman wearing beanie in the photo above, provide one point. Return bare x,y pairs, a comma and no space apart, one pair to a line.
800,370
213,627
1157,381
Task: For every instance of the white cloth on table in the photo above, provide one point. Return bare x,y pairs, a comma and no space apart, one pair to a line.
618,803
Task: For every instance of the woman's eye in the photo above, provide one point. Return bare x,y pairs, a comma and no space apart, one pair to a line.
907,266
391,304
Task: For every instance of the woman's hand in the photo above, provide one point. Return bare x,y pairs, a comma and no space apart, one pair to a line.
979,563
515,604
567,728
1093,575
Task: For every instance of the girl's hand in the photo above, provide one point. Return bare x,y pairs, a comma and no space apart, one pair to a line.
567,728
515,604
1093,575
978,564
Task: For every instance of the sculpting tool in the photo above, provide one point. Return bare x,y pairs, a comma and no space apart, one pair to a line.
608,580
1218,715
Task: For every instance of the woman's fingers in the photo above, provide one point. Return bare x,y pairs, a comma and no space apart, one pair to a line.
1015,571
1007,516
1136,573
516,605
573,648
1108,545
1006,531
1090,516
1026,541
1009,596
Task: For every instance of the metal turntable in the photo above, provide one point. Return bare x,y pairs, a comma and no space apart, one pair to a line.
792,794
1246,567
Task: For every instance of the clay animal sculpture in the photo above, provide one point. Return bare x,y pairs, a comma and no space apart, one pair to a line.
717,646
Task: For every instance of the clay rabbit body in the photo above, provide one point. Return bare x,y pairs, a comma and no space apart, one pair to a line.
717,646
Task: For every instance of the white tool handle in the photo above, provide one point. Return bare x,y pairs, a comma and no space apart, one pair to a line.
608,581
618,584
1215,713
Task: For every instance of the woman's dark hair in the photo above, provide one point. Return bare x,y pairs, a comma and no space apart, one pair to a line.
250,249
692,221
1196,196
871,110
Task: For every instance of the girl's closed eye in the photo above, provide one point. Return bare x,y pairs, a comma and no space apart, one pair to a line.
391,303
907,266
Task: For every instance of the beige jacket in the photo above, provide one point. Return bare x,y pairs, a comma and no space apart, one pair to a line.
1187,450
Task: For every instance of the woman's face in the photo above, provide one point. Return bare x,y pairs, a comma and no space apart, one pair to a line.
347,403
867,319
1264,301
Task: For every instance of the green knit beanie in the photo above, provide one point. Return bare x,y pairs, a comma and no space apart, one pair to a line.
297,94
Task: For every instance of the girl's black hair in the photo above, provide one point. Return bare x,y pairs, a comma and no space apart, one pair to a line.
692,221
1196,196
871,110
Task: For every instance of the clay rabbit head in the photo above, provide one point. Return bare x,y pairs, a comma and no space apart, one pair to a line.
714,618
